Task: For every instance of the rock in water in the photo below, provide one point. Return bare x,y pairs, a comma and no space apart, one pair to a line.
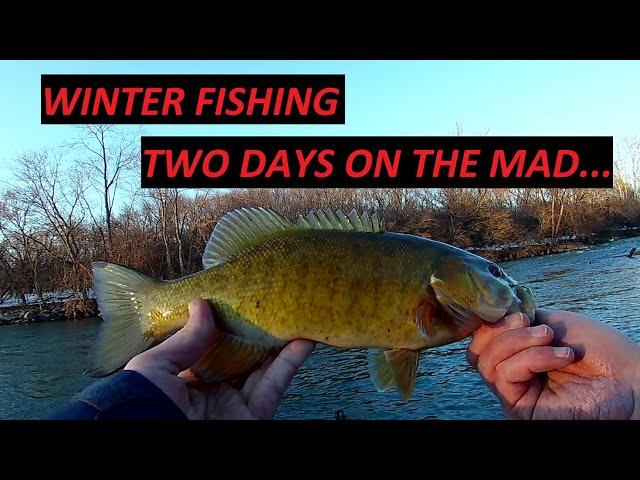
31,316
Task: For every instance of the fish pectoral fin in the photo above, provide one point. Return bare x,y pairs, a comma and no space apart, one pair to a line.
379,370
424,315
228,357
397,366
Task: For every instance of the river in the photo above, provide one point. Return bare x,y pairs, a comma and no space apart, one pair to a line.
41,364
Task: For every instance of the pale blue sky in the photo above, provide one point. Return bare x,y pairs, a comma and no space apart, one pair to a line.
383,98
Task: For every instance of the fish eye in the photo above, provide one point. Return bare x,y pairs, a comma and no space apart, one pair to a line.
495,270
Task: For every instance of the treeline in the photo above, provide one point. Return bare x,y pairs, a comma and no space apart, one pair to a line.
59,216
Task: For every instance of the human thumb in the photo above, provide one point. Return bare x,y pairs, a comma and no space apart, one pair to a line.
184,348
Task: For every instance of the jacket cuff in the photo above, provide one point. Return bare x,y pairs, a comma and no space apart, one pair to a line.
127,395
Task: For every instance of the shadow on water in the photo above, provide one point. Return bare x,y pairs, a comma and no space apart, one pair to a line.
41,364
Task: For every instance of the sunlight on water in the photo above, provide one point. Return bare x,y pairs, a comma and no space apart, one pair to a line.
41,364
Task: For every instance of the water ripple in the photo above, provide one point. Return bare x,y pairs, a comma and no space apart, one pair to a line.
41,364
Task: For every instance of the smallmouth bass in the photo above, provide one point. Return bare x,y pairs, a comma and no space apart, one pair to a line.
336,279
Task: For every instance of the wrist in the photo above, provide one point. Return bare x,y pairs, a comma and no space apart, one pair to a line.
129,395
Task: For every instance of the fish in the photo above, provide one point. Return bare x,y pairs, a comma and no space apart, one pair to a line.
333,278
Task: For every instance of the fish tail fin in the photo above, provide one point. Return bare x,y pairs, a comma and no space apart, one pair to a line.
120,293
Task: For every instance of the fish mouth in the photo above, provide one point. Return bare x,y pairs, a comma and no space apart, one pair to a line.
458,312
514,307
525,301
492,312
473,296
453,308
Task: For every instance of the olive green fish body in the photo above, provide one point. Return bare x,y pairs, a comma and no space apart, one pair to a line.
336,279
346,289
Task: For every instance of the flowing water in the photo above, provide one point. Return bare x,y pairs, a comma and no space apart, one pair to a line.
41,364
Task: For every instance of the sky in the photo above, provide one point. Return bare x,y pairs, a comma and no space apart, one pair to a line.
382,98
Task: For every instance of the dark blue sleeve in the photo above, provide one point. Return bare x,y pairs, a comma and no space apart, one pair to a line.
126,395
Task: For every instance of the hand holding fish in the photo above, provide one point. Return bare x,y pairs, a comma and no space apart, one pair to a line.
345,281
591,372
167,367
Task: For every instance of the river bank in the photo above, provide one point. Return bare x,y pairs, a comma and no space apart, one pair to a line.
548,246
58,311
73,309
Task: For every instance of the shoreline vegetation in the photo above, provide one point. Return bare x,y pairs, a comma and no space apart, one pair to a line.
66,307
70,205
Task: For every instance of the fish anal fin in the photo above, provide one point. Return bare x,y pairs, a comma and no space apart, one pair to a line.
228,357
403,365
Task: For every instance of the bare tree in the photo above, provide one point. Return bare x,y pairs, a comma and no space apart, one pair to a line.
158,202
54,198
106,154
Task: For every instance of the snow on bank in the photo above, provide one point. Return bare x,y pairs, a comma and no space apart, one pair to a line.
32,298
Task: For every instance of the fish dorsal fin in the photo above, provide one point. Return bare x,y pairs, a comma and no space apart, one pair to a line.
328,219
246,227
240,229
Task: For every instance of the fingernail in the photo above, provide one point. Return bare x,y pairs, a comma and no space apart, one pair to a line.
539,331
563,352
514,320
